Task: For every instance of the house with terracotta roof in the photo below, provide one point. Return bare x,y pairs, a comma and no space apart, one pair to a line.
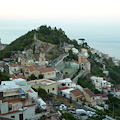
106,56
13,68
49,73
77,95
84,63
100,102
101,96
13,76
65,92
89,97
85,52
29,70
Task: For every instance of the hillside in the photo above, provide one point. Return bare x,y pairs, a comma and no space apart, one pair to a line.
46,34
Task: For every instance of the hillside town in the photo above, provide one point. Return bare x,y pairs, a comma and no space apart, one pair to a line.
20,100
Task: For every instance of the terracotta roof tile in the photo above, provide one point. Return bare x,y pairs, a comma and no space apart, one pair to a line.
101,100
32,68
76,92
13,76
63,88
76,62
43,70
90,93
14,65
21,76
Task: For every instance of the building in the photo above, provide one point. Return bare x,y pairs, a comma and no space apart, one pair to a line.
13,68
85,52
65,92
75,51
117,93
42,60
89,97
28,71
84,63
76,95
48,85
68,47
67,82
101,84
100,102
18,102
49,73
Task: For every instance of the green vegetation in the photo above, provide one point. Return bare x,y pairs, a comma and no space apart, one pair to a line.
32,77
85,82
4,77
72,56
41,76
19,44
51,35
41,92
114,105
68,116
97,68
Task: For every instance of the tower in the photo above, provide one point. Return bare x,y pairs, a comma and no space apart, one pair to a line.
42,60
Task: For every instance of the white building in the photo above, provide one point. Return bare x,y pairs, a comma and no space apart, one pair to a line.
75,51
17,103
66,92
13,68
67,82
100,83
117,93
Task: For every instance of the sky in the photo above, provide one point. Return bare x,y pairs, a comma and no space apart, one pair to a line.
89,19
72,10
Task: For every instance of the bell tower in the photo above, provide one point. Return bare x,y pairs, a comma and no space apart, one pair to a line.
42,60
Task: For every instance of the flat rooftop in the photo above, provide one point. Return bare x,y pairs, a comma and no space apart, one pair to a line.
41,81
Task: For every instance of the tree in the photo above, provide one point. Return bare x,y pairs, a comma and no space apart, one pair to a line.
4,77
41,92
41,76
32,77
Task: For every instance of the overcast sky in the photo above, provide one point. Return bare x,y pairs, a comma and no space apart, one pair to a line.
84,10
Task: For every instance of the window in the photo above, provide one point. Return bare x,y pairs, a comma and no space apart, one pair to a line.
13,116
48,90
53,88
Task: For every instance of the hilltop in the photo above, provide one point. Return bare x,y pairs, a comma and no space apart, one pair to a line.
40,36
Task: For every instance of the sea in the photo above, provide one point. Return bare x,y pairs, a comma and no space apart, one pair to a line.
105,42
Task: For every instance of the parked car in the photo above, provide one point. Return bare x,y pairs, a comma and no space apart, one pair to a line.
62,107
90,113
81,112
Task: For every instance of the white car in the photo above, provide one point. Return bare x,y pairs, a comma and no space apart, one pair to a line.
90,113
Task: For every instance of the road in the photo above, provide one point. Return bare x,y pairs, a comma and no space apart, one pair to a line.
58,60
81,73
